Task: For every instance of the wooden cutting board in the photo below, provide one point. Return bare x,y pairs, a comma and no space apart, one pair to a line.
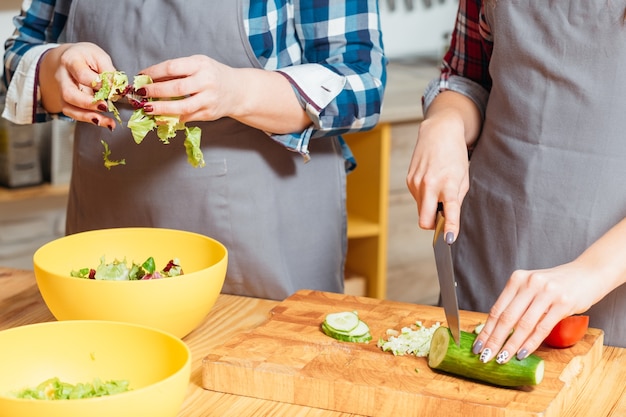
289,359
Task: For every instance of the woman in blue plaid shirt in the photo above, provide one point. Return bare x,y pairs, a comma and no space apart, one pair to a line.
260,78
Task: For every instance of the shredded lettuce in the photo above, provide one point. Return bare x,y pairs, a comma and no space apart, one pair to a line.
55,389
114,86
119,270
410,341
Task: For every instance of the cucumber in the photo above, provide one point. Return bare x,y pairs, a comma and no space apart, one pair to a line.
346,327
446,356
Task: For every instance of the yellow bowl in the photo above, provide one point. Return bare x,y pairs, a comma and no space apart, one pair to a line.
176,305
156,364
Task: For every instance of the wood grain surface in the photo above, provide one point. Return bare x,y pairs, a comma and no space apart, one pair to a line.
289,359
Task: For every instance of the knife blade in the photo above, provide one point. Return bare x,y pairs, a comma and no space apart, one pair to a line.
445,273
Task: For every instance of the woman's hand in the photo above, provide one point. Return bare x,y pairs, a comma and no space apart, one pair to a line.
65,81
439,171
533,302
205,89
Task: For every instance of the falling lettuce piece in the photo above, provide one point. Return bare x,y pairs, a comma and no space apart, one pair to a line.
106,154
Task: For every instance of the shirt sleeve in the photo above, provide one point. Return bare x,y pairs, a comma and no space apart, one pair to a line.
341,79
23,100
38,28
465,67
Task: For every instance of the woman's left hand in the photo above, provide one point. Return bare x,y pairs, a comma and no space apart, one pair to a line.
531,304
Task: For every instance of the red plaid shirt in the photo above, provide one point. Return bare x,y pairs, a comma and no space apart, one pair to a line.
470,47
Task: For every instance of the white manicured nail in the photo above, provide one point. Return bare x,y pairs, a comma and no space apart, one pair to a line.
485,355
502,357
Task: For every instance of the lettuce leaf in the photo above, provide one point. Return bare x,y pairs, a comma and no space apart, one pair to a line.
192,146
114,85
140,124
108,163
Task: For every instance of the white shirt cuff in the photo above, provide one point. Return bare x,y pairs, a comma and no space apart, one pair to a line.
21,104
316,86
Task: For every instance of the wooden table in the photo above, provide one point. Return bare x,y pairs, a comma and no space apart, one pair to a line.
20,304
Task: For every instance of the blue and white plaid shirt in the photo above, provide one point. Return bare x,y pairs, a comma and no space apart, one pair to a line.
336,44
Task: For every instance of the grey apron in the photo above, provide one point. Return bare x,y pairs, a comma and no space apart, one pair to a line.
547,177
283,221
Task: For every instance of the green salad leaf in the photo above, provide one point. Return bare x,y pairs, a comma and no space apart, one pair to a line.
114,85
140,124
55,389
119,270
106,154
192,146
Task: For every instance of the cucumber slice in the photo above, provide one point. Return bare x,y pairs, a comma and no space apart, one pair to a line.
344,321
347,327
346,337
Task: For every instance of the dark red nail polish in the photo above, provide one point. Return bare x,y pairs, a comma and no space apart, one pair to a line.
110,127
141,92
102,107
148,108
95,121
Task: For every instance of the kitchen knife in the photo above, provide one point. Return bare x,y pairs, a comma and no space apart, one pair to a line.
445,272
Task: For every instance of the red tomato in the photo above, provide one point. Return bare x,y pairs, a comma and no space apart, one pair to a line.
567,332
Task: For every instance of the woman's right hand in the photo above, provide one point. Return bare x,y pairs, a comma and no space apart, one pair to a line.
66,77
439,169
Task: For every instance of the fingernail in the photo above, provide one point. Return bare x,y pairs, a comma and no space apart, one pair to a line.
141,92
110,127
522,354
95,121
485,356
478,346
147,108
449,238
102,107
502,357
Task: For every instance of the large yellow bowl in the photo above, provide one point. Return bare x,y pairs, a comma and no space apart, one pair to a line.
176,305
156,364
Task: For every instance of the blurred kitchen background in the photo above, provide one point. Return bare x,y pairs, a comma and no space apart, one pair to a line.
35,161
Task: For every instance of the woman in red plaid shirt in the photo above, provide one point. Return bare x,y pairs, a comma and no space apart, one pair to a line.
533,93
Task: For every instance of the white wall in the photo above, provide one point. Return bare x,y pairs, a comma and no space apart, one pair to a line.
413,28
6,25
